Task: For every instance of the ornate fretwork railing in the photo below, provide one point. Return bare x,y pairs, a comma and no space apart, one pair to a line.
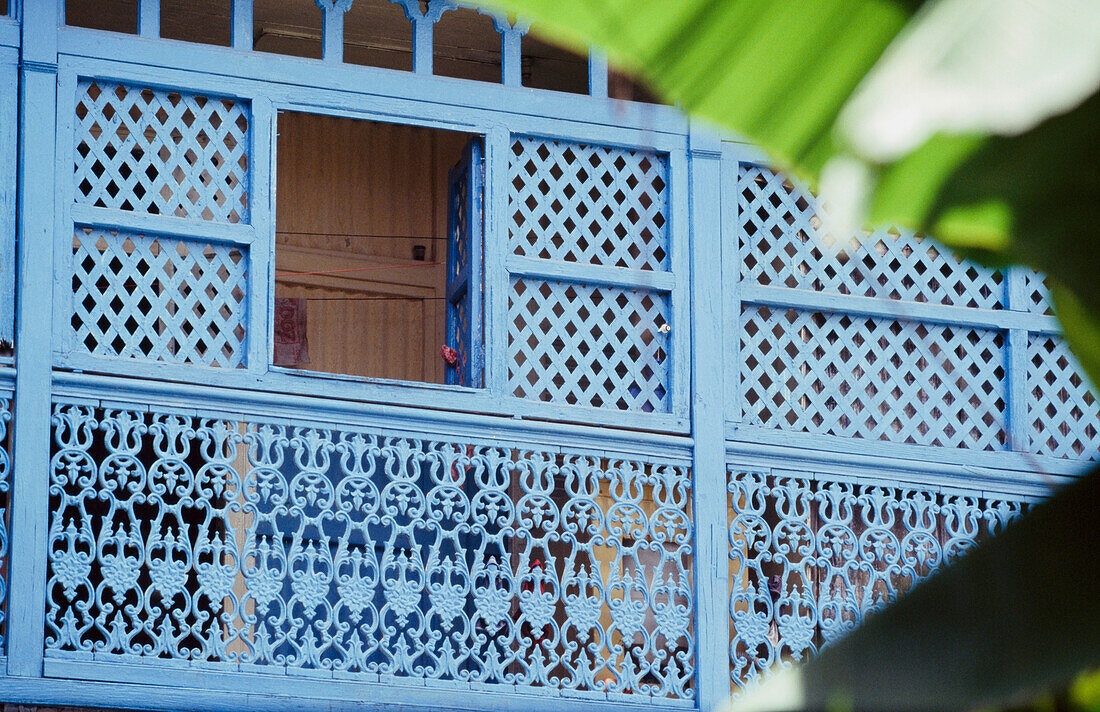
366,554
5,504
811,555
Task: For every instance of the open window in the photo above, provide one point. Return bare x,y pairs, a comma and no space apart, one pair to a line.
378,250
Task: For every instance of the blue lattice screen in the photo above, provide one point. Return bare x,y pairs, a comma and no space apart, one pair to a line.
575,340
175,296
887,336
811,556
359,553
1063,410
163,299
162,152
866,377
783,244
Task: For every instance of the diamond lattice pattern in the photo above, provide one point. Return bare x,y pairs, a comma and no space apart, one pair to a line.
783,244
588,345
873,378
1037,293
162,152
1065,415
600,205
159,298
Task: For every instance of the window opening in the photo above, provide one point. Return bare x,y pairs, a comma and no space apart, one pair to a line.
291,27
466,45
550,66
203,21
109,15
378,264
377,34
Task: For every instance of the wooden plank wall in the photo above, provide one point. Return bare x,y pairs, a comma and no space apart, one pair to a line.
355,194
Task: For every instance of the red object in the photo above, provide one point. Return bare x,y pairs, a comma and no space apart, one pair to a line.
291,344
449,355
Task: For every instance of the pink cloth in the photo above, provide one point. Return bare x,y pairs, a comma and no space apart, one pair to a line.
291,344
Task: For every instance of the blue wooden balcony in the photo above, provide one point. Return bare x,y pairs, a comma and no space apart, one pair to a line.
680,433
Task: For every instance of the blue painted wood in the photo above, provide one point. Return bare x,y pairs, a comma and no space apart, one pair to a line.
149,19
498,144
9,135
269,692
591,273
1025,465
261,288
292,79
400,604
30,478
423,17
893,309
180,396
597,74
732,247
680,236
9,32
511,37
167,225
465,334
829,345
1017,343
581,195
582,211
241,25
707,387
883,467
332,29
834,556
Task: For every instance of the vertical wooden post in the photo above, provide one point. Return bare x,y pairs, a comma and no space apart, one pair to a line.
9,140
1016,369
149,18
731,274
35,230
242,25
332,29
707,420
597,74
261,253
495,230
511,51
423,22
422,46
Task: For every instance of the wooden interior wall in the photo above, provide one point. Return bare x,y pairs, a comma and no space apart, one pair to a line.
356,194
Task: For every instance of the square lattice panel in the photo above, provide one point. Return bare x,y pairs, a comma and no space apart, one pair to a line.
1063,410
873,378
158,298
588,345
599,205
161,152
783,245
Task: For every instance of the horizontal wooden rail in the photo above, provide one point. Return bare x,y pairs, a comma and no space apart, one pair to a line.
896,309
219,402
170,225
591,274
